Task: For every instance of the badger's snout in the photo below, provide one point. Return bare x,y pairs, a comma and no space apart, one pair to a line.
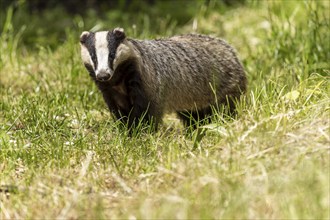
103,76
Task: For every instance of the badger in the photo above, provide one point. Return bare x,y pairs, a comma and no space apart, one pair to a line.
141,80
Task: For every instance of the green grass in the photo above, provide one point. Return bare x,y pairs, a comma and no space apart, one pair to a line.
63,156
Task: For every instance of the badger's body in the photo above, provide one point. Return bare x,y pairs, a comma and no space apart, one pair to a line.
186,74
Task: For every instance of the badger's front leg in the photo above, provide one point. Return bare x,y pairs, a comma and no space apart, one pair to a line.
140,111
117,103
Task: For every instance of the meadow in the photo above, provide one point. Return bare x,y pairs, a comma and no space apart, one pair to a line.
63,156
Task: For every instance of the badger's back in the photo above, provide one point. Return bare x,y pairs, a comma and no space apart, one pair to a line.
189,71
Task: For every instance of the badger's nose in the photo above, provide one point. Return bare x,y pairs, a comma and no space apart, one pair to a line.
103,76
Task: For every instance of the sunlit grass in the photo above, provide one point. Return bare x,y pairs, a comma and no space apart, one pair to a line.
62,155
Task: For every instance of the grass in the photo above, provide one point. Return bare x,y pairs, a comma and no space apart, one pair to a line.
63,156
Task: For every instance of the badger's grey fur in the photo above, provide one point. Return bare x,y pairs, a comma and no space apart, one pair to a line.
147,78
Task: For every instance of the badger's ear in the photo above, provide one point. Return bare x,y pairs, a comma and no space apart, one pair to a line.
119,33
83,37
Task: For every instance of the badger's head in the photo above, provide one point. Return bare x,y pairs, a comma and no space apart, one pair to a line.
103,51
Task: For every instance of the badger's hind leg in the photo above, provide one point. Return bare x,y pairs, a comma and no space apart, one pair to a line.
193,119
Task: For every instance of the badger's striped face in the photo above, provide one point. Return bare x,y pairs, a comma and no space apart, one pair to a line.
103,51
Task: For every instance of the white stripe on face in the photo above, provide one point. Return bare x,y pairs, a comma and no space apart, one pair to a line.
102,52
85,56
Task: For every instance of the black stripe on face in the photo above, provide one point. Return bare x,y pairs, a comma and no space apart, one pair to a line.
90,45
113,44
